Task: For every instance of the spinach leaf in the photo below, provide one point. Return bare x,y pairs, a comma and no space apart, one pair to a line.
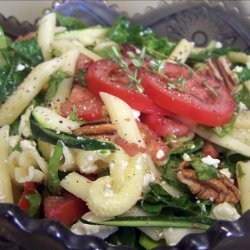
244,75
158,200
123,32
71,23
203,171
35,202
11,77
125,236
189,147
29,50
14,127
170,171
4,40
243,95
225,129
54,82
53,181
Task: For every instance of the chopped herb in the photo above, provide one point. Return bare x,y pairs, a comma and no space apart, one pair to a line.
35,201
54,82
71,23
73,115
226,129
204,171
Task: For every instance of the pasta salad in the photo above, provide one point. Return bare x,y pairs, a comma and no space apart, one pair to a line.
116,131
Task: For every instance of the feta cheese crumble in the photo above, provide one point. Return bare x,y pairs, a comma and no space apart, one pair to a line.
186,157
210,161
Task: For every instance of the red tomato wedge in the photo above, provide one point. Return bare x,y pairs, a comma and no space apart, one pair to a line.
67,208
82,64
164,126
29,188
88,106
190,94
106,76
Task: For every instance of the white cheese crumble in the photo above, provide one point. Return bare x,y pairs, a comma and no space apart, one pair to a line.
186,157
238,69
210,161
14,140
20,67
148,178
242,106
225,211
136,114
100,231
160,154
218,45
26,144
226,172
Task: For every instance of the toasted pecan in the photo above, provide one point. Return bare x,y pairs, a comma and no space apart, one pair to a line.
218,190
220,69
95,129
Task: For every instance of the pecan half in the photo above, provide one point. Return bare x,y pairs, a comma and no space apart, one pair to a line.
220,69
218,190
95,129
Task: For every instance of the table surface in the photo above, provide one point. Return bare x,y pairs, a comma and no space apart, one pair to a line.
34,8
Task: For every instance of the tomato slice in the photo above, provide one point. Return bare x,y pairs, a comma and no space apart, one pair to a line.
82,64
106,76
154,145
164,126
29,188
209,149
88,106
190,94
67,208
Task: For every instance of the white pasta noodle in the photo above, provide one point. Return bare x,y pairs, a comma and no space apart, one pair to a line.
181,51
86,160
33,84
243,178
27,90
24,125
64,45
77,185
45,34
5,180
27,165
104,201
62,94
69,161
228,141
122,116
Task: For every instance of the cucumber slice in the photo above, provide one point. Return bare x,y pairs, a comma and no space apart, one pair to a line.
87,37
48,118
195,222
71,141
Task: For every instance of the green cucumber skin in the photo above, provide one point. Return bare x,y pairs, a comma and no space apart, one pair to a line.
70,141
157,221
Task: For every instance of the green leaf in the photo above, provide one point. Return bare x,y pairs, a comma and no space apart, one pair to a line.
150,244
169,174
225,129
29,50
243,95
71,23
4,40
35,201
123,32
54,82
158,200
204,171
125,236
53,181
188,147
195,222
244,75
